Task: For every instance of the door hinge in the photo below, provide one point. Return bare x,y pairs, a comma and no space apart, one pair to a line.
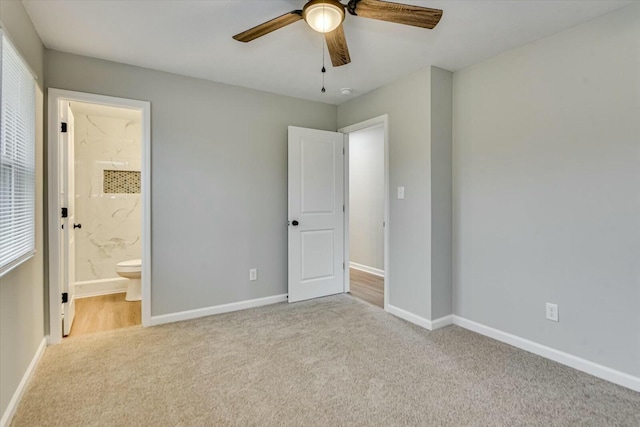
63,127
343,150
342,208
65,297
343,265
65,212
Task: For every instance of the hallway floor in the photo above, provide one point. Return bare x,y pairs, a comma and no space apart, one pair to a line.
367,286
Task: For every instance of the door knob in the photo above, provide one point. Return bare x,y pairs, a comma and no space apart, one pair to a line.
77,226
294,223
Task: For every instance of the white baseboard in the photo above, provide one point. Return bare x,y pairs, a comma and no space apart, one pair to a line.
441,322
420,321
567,359
92,288
366,269
22,386
217,309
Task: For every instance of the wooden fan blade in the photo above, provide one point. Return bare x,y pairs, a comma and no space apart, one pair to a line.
337,45
269,26
406,14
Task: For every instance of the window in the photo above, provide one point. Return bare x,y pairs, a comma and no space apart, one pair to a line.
17,158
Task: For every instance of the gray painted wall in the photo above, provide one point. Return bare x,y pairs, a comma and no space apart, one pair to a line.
407,103
441,193
219,178
420,227
21,290
546,201
366,197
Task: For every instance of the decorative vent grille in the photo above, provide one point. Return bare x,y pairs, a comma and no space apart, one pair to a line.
121,182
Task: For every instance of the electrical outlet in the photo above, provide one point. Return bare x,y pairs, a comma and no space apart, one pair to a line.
253,274
552,311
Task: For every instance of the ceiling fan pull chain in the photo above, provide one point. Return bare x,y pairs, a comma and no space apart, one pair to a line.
324,70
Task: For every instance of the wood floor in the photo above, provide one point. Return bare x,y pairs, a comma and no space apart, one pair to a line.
368,287
105,313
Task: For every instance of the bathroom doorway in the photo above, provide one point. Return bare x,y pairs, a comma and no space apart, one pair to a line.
98,213
366,210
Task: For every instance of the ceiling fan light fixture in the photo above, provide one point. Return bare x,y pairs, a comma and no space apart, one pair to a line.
323,16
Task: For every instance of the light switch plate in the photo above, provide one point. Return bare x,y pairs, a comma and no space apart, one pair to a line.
400,192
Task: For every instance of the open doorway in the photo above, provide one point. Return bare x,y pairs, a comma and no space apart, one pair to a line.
107,164
366,214
98,213
366,211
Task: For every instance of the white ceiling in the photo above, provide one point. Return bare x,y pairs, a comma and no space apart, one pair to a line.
193,38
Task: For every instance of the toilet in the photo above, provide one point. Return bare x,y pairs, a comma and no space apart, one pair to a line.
131,270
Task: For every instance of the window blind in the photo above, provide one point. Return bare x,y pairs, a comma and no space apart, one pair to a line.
17,158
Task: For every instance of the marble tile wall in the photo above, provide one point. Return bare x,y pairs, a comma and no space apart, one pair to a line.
111,223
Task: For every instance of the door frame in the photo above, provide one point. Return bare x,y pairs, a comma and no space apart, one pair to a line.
56,98
374,122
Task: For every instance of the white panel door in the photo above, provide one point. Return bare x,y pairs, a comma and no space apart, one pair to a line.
68,224
316,213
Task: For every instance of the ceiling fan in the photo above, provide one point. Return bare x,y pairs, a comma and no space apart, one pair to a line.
326,16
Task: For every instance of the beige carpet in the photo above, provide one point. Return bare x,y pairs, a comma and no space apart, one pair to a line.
328,362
